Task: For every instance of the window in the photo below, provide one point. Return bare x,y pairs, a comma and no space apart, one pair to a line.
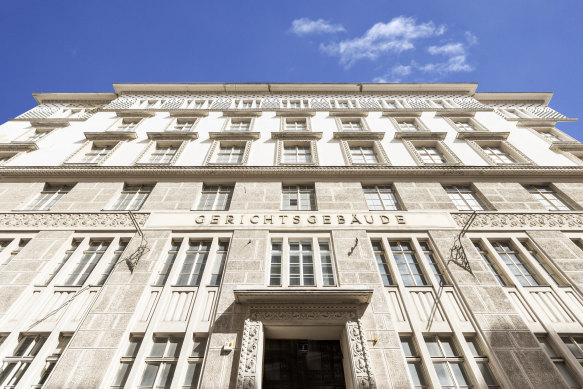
575,345
548,135
547,197
382,264
37,135
113,261
515,264
128,125
380,198
96,154
559,362
21,244
497,155
413,363
194,263
52,360
298,197
448,363
555,278
230,154
430,155
482,361
240,125
409,125
62,262
275,264
297,153
127,361
87,262
464,125
326,263
195,362
484,254
183,125
161,363
164,272
219,265
14,368
351,124
132,197
48,197
301,263
464,198
407,263
430,257
215,198
363,155
163,154
296,124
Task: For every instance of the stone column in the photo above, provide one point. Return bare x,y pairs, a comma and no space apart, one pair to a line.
514,348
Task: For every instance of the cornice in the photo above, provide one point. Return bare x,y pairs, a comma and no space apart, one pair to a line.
480,135
295,113
567,146
133,113
404,112
324,172
296,135
51,123
528,122
354,112
172,135
234,135
242,112
359,135
187,113
420,135
18,146
110,135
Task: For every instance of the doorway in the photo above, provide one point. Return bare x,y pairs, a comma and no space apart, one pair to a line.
303,364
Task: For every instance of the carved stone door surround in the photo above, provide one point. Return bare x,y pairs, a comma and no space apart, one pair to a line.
249,374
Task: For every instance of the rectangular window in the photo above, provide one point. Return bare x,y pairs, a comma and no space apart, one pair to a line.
498,155
550,136
215,198
128,125
559,362
16,365
484,254
183,125
351,125
97,154
240,125
164,272
230,154
48,197
430,257
408,126
298,197
161,363
62,262
297,154
194,263
52,360
382,264
275,265
414,363
195,363
515,263
132,197
301,263
219,265
21,244
464,126
363,154
326,263
575,345
464,198
380,198
482,361
547,197
87,262
448,363
37,135
163,154
127,361
114,260
296,125
407,263
430,155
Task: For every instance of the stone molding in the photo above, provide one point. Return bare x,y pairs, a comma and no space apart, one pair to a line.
420,135
411,146
523,221
297,140
359,135
299,313
478,135
519,156
359,356
113,136
378,148
246,375
77,220
296,135
17,147
172,135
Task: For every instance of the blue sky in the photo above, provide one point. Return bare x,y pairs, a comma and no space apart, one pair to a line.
85,46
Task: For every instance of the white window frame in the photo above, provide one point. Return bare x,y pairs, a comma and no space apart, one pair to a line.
398,122
378,191
341,123
228,124
299,190
78,156
376,146
469,120
448,155
504,146
214,193
213,154
182,124
151,149
548,197
134,195
285,124
49,196
464,197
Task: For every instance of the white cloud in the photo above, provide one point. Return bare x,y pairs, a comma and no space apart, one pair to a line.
396,36
305,26
449,49
454,64
396,74
471,38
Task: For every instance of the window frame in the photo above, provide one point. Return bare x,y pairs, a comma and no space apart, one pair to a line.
77,157
134,191
299,189
220,188
376,146
446,153
56,191
214,151
378,190
542,191
506,147
467,189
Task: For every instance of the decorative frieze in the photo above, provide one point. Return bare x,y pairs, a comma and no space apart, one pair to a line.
37,221
246,376
522,220
291,313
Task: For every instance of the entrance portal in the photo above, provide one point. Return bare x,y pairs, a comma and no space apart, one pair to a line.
303,364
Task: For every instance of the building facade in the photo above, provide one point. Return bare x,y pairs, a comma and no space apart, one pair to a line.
291,236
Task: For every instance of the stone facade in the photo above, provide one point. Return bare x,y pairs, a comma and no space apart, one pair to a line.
189,289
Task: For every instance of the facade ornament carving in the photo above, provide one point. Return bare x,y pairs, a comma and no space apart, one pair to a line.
368,103
416,102
360,359
122,102
270,102
246,376
173,103
468,102
292,312
224,103
522,220
69,220
319,103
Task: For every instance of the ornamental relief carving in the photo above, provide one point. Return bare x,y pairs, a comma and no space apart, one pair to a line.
524,221
248,360
301,313
66,220
359,356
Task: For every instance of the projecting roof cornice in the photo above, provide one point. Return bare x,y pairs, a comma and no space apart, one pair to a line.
516,97
276,172
98,98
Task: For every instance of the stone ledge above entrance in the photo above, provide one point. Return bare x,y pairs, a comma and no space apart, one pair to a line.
273,295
